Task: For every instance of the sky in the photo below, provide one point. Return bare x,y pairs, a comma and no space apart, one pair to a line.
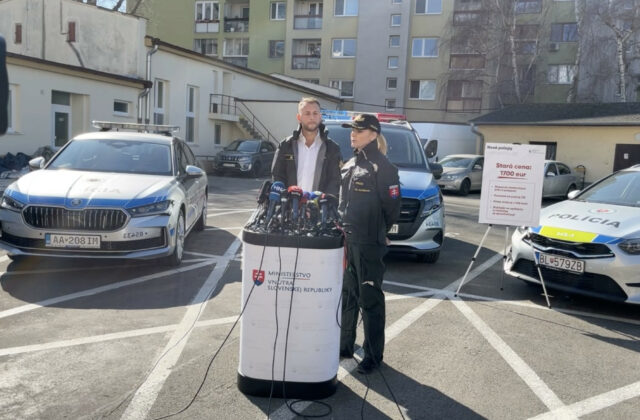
110,3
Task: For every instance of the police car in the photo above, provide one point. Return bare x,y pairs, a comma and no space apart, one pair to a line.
589,244
420,227
107,194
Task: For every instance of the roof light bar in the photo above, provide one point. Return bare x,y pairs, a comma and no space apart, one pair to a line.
143,128
340,114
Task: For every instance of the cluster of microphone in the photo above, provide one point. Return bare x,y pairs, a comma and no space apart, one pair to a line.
292,211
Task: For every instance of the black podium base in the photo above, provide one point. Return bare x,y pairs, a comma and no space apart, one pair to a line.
298,390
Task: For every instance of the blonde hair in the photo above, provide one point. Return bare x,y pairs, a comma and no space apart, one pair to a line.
382,144
308,100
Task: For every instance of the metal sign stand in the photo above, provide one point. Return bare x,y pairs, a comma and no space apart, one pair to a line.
504,258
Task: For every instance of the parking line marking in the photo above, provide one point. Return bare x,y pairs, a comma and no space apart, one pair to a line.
229,212
146,394
12,351
593,404
225,228
101,289
528,375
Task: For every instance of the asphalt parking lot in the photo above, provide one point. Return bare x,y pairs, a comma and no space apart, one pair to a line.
135,340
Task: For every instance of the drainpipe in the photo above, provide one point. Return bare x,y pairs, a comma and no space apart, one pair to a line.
475,131
146,91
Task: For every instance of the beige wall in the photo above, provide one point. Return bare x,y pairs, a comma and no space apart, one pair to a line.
593,147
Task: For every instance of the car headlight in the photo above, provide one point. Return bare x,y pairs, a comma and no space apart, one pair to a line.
161,207
11,204
431,205
631,246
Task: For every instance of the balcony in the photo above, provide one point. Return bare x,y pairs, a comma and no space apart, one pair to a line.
207,26
305,62
238,61
236,24
307,22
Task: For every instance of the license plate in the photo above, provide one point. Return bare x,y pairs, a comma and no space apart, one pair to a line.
55,240
394,229
562,263
230,165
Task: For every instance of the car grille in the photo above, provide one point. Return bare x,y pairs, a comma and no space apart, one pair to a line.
59,218
114,246
409,210
587,283
576,249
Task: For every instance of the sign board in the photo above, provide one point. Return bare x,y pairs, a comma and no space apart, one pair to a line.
512,181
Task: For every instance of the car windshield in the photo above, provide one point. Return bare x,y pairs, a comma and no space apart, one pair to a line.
243,146
455,162
621,188
125,156
403,146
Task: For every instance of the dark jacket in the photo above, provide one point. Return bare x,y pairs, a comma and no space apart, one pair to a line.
327,175
370,196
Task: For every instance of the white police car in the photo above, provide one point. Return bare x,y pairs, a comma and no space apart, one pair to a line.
107,195
589,244
420,227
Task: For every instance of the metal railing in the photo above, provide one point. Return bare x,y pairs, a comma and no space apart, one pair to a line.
307,22
225,104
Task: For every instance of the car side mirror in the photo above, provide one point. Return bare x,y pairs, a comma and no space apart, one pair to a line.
36,163
436,170
431,148
193,171
550,174
573,194
4,88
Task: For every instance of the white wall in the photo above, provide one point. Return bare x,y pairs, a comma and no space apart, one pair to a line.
452,138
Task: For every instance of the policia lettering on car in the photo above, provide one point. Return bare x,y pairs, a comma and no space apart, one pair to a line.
589,219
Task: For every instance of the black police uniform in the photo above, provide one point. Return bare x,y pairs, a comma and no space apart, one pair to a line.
369,205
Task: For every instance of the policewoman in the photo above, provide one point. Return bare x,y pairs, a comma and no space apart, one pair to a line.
369,206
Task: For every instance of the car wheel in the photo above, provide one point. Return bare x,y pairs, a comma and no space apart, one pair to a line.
176,257
465,187
202,220
430,257
571,188
256,170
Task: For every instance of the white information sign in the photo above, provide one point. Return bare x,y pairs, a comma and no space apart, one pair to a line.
512,181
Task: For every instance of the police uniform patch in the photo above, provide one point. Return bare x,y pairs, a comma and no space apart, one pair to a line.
288,157
394,191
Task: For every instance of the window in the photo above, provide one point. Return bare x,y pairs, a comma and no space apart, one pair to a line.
390,104
206,46
305,54
464,95
207,11
158,108
276,49
120,107
392,83
236,47
217,133
314,81
190,123
564,32
346,8
345,87
396,1
392,62
528,6
72,36
561,74
17,37
422,89
396,20
424,47
466,61
343,48
469,18
428,6
278,10
11,126
394,40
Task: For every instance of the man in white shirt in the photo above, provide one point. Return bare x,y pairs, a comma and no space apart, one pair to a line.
308,158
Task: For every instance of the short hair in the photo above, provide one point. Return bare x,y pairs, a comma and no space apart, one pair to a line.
308,100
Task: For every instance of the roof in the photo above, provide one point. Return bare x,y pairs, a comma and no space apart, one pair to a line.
126,136
602,114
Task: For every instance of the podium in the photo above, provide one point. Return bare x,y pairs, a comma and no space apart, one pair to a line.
304,362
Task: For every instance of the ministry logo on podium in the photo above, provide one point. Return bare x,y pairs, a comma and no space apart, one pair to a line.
258,277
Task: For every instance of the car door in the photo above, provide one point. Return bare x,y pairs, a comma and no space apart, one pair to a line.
476,173
191,185
566,178
550,184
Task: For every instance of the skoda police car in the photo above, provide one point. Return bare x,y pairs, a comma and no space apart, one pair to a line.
107,194
420,226
589,244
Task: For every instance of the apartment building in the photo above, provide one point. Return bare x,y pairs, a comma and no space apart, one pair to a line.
433,60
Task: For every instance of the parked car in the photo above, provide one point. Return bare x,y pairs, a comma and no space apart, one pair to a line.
559,180
589,244
461,173
420,228
107,195
251,156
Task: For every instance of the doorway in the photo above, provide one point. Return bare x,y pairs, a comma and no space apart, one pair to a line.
626,155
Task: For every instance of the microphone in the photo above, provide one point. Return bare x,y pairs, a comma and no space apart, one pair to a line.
332,204
277,188
322,201
295,193
283,208
263,194
303,207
